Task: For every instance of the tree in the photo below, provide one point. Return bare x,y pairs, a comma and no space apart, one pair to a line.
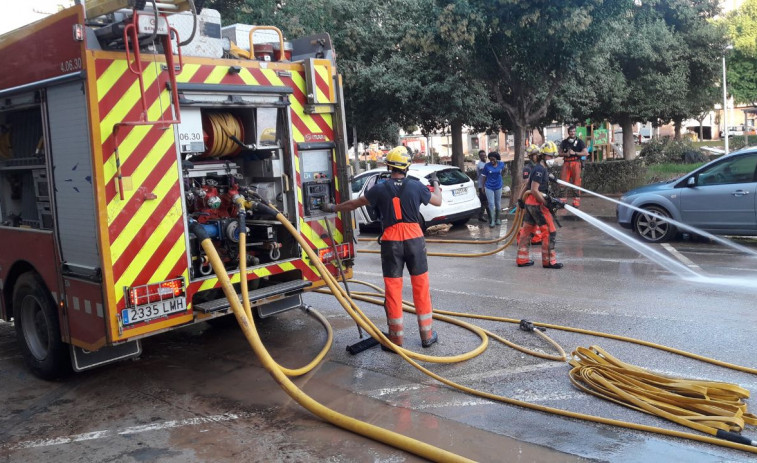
742,62
525,51
397,72
656,64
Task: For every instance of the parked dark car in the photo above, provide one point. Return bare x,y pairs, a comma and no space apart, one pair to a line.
718,197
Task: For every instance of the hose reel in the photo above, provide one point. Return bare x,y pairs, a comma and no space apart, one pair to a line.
224,135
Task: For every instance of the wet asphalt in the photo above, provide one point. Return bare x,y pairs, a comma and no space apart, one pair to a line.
199,394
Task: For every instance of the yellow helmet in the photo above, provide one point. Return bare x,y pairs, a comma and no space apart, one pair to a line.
549,148
398,158
532,149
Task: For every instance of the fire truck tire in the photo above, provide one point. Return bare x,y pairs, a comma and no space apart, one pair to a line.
37,328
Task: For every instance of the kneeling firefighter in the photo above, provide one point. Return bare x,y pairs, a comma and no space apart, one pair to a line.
402,243
538,214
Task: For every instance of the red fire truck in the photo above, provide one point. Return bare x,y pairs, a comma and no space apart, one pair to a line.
119,125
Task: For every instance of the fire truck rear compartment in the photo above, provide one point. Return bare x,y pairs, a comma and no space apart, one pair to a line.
242,150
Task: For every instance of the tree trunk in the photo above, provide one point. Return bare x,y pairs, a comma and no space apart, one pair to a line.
458,159
629,143
355,153
677,125
517,164
701,130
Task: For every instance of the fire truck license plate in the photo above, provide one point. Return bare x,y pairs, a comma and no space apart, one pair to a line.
459,192
152,311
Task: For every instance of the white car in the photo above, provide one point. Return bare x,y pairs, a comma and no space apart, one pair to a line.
459,196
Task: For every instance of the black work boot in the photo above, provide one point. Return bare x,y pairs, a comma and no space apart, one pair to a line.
526,264
430,341
555,265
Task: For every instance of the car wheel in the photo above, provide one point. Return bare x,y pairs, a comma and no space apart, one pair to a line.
652,229
460,223
37,328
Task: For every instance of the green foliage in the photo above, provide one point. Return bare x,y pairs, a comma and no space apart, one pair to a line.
613,176
742,61
659,63
664,151
664,172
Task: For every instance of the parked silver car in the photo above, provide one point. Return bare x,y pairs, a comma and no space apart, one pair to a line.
718,197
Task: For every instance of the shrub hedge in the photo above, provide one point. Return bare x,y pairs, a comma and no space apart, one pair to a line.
613,176
664,151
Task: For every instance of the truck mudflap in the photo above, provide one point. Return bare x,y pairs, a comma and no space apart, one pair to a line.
82,359
269,300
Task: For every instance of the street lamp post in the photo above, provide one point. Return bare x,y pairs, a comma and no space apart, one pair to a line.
725,101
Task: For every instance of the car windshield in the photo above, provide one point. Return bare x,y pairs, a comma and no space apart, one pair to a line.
358,182
451,177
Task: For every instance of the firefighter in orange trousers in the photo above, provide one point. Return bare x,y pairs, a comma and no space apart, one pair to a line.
531,153
537,214
402,243
572,149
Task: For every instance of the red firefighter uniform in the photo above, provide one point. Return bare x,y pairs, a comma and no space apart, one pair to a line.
572,148
538,216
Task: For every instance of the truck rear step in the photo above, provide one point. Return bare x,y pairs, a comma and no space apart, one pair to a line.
290,290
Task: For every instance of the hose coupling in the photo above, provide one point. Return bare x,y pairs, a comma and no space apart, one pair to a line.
526,325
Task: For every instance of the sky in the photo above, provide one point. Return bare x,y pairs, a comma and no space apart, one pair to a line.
17,13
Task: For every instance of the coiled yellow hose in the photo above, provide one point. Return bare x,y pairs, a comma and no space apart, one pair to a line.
221,127
395,439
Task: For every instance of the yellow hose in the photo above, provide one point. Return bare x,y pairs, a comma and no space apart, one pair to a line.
511,235
223,126
395,439
248,327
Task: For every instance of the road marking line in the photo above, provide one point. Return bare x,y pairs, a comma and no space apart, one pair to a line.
684,260
127,431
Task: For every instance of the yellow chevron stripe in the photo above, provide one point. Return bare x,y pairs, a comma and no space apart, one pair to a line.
211,283
140,174
273,77
144,254
187,72
263,272
208,284
296,134
108,79
311,235
287,266
217,75
144,214
129,99
247,77
306,119
177,250
323,73
127,145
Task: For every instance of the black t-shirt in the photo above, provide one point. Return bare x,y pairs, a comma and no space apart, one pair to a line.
575,144
412,194
527,169
539,175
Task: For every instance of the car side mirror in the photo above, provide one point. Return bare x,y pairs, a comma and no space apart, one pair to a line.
691,182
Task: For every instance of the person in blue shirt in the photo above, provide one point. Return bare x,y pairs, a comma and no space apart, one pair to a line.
480,184
492,173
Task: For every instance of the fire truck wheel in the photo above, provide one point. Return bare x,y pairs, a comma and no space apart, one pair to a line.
37,328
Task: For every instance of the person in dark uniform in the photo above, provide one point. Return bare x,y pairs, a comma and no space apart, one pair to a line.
532,152
402,243
537,214
572,149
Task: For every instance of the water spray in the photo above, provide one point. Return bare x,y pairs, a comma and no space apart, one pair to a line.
671,221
